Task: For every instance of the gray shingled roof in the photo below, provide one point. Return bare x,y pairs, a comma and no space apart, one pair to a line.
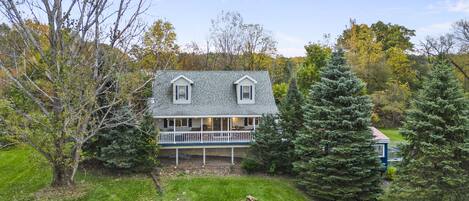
213,93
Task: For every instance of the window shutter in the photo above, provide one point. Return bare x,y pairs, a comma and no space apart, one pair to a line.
190,122
246,121
165,123
176,92
250,94
187,92
240,92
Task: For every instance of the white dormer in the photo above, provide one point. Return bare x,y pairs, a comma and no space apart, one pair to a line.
246,90
182,90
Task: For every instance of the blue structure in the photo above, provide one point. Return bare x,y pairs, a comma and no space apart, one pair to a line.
381,145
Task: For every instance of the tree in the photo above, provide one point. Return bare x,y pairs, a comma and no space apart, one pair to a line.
268,148
435,162
280,91
393,35
127,147
159,49
239,45
452,46
390,104
337,160
317,56
69,88
291,121
366,56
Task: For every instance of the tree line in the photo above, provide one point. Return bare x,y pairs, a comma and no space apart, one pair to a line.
78,73
325,140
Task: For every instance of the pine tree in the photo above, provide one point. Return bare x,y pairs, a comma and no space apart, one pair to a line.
435,162
337,160
291,121
268,148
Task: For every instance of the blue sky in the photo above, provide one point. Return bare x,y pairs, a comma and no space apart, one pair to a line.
294,23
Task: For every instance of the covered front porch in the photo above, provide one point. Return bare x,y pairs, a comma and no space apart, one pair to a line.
198,131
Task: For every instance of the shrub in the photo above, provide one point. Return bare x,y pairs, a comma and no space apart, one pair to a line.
251,166
390,173
128,148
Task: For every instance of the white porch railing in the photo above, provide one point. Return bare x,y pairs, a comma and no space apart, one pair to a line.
188,137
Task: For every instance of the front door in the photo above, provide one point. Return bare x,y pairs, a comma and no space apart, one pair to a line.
216,124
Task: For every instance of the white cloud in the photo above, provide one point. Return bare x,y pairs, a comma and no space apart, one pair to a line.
449,6
459,6
434,29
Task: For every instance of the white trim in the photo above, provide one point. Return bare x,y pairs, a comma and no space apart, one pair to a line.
206,116
245,77
383,153
182,76
205,146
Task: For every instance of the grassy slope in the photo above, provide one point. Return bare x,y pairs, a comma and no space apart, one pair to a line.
231,188
394,136
23,172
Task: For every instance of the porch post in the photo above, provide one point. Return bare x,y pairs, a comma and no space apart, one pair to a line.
254,123
174,134
177,156
232,155
174,124
201,132
204,155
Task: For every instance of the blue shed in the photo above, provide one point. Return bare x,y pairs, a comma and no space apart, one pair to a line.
381,145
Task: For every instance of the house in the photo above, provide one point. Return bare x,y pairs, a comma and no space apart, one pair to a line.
209,112
381,145
214,113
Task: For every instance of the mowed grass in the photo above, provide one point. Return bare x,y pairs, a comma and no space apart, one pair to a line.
23,173
394,136
231,189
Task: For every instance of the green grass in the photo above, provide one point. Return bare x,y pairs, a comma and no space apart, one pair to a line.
394,136
231,188
23,172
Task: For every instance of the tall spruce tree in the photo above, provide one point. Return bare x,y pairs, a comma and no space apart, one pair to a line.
269,149
291,121
337,160
435,162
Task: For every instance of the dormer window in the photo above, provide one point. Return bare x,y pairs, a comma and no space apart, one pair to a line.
182,87
181,92
246,90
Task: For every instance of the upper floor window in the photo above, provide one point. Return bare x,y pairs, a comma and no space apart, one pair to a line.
182,92
246,91
182,87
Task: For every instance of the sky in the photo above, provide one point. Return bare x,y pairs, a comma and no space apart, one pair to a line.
294,23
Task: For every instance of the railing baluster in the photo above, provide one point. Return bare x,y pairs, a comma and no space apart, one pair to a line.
205,137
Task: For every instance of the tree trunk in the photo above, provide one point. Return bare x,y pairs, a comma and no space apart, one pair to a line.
62,176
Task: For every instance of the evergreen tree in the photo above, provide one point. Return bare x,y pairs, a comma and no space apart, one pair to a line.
291,121
127,147
435,162
337,160
269,149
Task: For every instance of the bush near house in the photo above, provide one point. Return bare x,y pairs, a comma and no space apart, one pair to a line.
129,148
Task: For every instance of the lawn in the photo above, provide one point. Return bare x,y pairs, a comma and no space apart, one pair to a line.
394,136
23,172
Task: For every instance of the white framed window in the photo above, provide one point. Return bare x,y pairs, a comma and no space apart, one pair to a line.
181,92
379,148
246,92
